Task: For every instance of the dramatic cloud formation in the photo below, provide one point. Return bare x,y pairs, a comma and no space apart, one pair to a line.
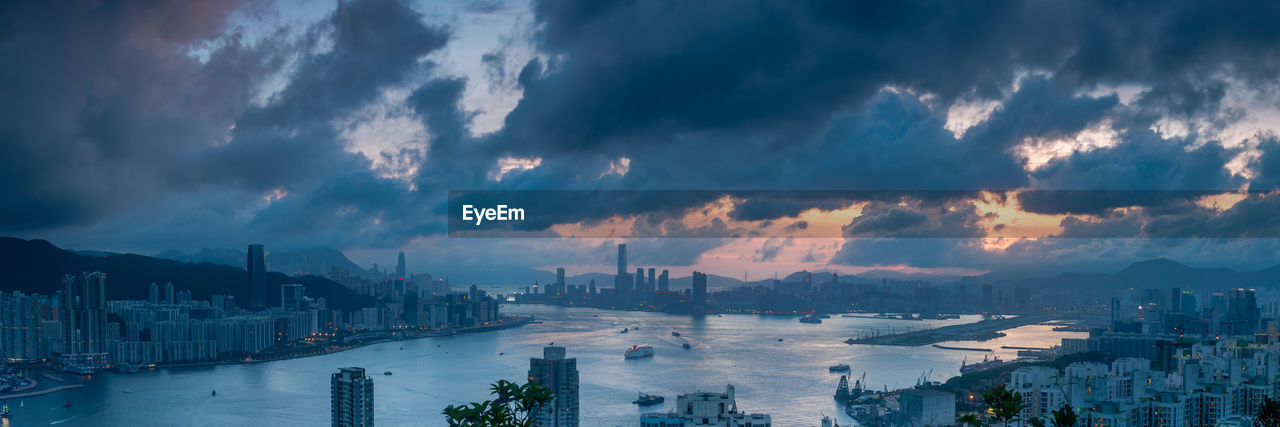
153,125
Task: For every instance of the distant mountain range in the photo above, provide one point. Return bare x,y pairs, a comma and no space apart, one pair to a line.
1154,273
37,266
316,261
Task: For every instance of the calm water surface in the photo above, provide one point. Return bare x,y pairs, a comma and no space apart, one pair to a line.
788,380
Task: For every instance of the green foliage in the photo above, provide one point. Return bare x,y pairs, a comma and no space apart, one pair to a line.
970,420
1064,416
1268,414
513,406
1005,404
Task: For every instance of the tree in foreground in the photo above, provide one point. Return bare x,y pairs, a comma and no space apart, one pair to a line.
1269,414
1064,416
1004,403
513,406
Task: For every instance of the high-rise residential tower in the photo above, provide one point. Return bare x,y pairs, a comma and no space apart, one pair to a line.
257,270
664,281
351,398
84,311
560,375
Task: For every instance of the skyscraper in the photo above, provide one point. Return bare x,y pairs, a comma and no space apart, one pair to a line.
699,301
400,267
560,285
351,398
257,270
153,294
653,281
622,259
664,281
640,280
84,311
560,375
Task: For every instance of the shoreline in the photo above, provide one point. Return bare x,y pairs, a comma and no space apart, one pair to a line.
40,392
517,322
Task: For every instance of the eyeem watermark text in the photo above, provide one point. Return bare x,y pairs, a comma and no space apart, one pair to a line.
499,213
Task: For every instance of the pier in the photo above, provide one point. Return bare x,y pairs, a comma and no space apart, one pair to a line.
979,331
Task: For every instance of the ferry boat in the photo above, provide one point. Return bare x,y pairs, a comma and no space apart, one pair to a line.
809,318
648,400
638,352
843,367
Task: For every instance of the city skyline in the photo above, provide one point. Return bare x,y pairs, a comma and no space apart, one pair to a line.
671,213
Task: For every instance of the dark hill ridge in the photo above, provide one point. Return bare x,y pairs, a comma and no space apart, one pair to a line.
37,266
1154,273
317,261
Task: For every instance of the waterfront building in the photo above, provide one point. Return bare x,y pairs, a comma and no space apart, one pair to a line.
698,301
560,284
84,316
560,375
622,259
351,398
653,281
20,325
706,409
256,269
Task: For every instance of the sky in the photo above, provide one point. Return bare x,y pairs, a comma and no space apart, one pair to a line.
148,126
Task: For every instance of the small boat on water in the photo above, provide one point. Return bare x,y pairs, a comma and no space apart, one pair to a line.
843,367
128,390
624,330
4,410
638,352
809,318
686,346
386,373
822,316
675,334
67,405
214,393
779,339
648,399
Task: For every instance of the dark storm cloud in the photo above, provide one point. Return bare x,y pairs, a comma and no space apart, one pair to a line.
105,114
913,218
97,98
